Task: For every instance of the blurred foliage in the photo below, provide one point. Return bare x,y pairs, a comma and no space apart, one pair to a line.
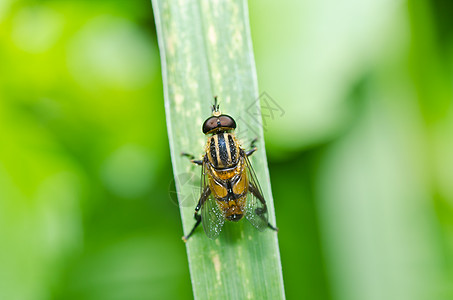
361,162
84,159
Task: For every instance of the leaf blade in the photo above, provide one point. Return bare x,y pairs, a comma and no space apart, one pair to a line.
206,50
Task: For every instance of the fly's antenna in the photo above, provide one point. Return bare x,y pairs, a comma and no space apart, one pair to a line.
215,108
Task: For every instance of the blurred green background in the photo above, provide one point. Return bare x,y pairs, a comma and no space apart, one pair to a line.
361,162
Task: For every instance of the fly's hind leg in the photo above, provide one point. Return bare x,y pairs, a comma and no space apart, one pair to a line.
198,221
261,210
204,196
272,227
252,146
192,158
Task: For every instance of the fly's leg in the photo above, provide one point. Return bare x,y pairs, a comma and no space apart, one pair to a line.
192,158
252,146
204,196
198,221
261,210
272,227
258,195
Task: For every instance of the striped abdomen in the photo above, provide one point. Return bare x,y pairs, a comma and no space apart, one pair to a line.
222,150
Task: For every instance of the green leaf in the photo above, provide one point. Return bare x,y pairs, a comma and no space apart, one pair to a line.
206,51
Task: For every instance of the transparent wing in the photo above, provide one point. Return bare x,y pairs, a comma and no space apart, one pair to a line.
211,216
255,208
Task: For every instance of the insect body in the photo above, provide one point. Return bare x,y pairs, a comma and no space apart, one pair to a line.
230,190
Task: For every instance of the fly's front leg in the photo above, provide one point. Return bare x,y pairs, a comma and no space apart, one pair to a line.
252,146
192,158
261,210
204,196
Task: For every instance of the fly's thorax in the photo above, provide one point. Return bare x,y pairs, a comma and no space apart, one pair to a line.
228,173
222,150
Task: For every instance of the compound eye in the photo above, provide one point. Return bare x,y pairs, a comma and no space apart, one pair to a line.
227,121
209,124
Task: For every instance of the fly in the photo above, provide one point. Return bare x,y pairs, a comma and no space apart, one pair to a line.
230,190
